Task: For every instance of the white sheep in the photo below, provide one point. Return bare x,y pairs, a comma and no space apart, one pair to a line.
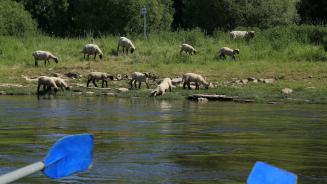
96,76
162,87
47,83
196,78
188,49
242,34
44,55
92,49
228,51
61,83
126,44
141,77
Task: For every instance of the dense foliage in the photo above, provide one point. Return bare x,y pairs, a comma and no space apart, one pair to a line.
100,17
14,20
80,17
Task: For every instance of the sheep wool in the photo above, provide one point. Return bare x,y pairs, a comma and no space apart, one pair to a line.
188,49
228,51
61,83
162,87
196,78
126,44
43,55
96,76
47,83
92,49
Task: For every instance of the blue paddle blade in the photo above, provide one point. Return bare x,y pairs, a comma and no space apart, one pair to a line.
69,155
263,173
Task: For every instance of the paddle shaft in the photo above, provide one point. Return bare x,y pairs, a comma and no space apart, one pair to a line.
22,172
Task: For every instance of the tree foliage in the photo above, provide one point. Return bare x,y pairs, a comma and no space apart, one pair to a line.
313,11
228,14
14,20
77,17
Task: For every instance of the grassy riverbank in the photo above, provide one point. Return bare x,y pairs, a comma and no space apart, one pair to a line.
293,55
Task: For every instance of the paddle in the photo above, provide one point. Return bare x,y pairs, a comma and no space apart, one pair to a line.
67,156
263,173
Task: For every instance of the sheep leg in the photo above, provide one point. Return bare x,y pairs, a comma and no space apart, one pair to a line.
84,56
95,55
169,88
88,82
123,49
36,63
197,85
135,84
45,62
88,56
131,83
147,85
184,84
234,57
38,89
140,84
127,51
117,49
106,83
95,84
189,85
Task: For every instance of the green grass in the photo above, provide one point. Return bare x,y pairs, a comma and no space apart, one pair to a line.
290,53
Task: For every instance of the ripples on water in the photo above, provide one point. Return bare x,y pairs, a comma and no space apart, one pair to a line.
150,141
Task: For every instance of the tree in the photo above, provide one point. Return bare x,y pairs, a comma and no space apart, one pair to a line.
313,11
14,20
228,14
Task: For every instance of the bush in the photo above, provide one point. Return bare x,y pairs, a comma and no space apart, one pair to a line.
14,20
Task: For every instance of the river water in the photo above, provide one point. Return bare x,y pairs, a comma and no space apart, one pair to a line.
153,141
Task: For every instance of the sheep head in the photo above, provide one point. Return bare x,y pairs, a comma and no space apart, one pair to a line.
236,51
55,59
100,56
132,50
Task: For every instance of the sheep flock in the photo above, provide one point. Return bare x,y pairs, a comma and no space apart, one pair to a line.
56,83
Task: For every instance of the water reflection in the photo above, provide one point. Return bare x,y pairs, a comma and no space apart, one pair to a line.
152,141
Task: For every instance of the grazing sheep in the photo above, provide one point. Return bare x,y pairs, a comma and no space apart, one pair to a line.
141,77
92,49
242,34
162,87
95,76
188,49
61,83
228,51
43,55
192,77
126,44
47,83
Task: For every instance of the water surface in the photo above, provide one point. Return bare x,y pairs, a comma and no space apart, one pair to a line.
151,141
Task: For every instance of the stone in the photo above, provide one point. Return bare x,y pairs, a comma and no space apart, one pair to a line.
176,81
120,90
244,81
73,75
108,94
287,91
3,93
77,93
89,93
268,81
251,79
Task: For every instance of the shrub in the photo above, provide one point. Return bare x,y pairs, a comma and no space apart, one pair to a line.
14,20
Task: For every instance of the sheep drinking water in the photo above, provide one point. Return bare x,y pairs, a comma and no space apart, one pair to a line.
162,87
92,49
126,44
95,76
47,83
44,55
196,78
228,51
